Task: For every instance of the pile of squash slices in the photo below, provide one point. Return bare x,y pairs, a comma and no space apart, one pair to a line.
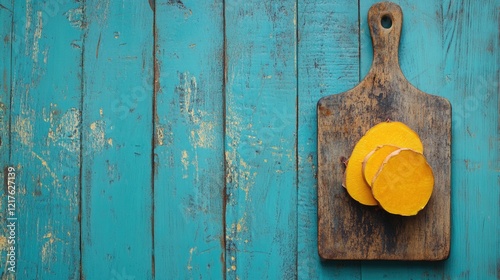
387,168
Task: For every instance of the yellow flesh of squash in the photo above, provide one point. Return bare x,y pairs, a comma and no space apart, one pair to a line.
404,183
386,133
374,160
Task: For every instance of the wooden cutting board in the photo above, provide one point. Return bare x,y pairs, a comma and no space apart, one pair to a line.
348,230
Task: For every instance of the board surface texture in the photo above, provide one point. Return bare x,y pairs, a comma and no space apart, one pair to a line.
347,229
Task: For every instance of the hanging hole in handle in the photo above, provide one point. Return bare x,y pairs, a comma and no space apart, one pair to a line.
386,21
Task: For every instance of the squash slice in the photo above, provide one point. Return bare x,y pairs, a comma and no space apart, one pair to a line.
404,183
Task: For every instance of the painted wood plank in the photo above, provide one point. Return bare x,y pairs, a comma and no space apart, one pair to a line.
261,93
6,17
45,146
471,54
117,141
189,140
328,63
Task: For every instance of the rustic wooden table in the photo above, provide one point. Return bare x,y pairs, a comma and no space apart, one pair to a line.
177,140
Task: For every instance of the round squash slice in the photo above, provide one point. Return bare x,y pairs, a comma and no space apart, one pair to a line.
404,183
385,133
374,160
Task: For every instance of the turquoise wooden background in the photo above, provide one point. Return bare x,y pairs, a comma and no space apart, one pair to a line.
177,139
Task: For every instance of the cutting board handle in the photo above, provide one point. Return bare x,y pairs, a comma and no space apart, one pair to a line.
385,20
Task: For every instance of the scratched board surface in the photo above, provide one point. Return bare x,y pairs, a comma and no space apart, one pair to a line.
177,139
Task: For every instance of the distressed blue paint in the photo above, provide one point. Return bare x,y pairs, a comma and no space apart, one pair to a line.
328,63
189,159
6,17
45,147
117,131
448,48
471,59
261,93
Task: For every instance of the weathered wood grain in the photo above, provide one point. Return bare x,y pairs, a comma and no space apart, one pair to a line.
328,62
261,108
45,133
6,18
346,229
117,147
189,140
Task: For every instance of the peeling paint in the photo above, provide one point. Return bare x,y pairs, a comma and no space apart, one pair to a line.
241,225
64,130
45,54
46,114
191,251
159,136
48,246
24,129
203,136
185,163
188,91
3,243
37,35
112,172
75,17
97,138
188,94
163,134
240,174
46,166
237,231
27,25
101,13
